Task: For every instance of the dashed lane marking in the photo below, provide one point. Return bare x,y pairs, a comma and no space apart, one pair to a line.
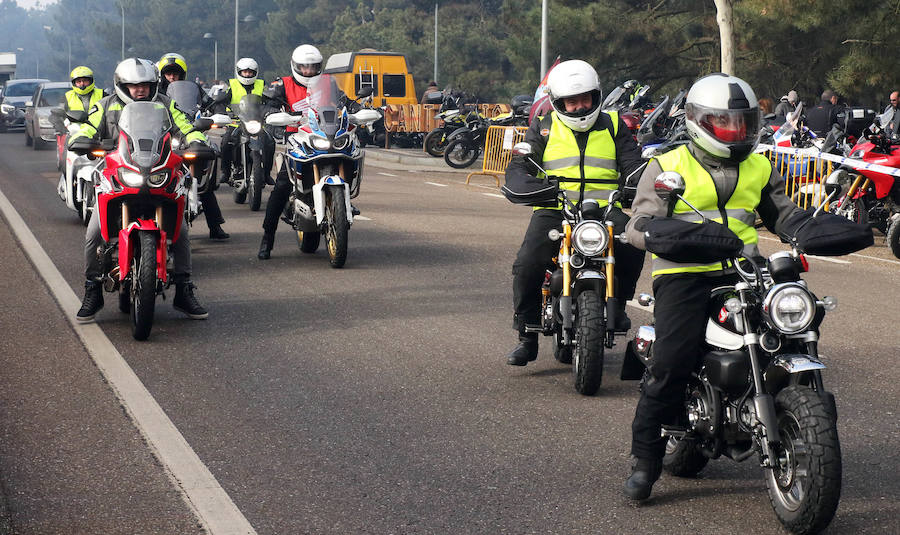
386,174
362,218
494,195
212,506
436,184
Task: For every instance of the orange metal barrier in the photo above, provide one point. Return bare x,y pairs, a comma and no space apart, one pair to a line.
420,117
803,175
498,146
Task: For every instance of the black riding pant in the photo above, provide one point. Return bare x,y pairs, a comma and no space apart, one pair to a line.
535,257
281,192
231,146
680,313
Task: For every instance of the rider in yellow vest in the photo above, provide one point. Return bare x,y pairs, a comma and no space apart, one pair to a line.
587,152
730,184
81,97
245,82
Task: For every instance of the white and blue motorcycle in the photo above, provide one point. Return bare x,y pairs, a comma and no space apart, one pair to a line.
324,162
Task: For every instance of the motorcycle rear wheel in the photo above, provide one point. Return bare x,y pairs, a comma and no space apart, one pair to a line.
805,486
683,458
562,353
460,154
893,237
338,228
308,241
590,332
255,187
143,287
435,143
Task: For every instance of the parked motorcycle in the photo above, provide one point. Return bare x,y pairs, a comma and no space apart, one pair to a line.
141,196
248,176
869,196
453,115
579,296
758,388
324,163
465,144
76,187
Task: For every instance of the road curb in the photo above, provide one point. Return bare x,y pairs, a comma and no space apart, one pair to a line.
396,156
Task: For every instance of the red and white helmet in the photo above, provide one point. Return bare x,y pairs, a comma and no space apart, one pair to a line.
306,55
722,117
571,78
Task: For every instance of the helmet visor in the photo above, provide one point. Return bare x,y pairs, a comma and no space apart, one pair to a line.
727,126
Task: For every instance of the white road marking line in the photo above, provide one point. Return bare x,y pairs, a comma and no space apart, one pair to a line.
361,218
829,259
436,184
386,174
875,258
494,195
888,260
214,509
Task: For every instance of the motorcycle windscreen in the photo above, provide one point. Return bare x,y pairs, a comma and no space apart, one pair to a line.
145,124
325,98
186,96
250,108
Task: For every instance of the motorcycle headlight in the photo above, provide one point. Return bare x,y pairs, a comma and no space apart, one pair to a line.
789,307
321,143
158,179
253,127
590,238
132,179
340,143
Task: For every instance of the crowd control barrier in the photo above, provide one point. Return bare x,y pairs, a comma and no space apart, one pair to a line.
498,144
419,118
804,172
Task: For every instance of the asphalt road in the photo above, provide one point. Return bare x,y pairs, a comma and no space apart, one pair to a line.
375,398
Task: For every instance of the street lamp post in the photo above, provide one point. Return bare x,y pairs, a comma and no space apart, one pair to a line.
248,18
123,29
208,35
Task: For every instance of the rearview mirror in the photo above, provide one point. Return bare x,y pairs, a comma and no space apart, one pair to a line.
203,123
77,116
668,185
364,116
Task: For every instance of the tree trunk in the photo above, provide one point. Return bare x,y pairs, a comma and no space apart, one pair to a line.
725,19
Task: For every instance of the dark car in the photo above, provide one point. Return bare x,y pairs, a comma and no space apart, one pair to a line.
39,131
15,94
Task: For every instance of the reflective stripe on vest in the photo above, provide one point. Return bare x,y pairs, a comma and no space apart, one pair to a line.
74,102
238,90
700,191
563,158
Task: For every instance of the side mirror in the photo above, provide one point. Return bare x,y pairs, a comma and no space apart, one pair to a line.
522,149
364,92
203,123
364,116
669,185
834,180
283,118
221,97
77,116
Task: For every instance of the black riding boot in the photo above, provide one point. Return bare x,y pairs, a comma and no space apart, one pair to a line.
644,474
92,302
185,301
525,351
265,246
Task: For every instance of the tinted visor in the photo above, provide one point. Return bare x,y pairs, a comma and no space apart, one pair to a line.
727,126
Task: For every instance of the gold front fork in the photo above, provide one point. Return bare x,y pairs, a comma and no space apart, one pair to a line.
564,253
610,264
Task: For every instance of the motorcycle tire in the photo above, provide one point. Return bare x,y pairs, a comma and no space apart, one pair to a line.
590,332
435,143
79,205
240,197
338,228
561,353
855,210
255,188
86,208
308,241
893,237
459,154
143,288
683,458
805,486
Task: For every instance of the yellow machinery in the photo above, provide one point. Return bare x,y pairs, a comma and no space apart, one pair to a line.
385,72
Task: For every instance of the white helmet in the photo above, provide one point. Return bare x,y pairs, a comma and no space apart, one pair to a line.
722,116
244,64
306,55
571,78
135,71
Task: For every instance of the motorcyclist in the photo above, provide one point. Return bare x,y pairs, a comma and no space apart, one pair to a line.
135,80
588,153
723,177
245,82
173,68
82,97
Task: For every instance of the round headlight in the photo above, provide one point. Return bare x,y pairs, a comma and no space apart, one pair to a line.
132,179
340,143
253,127
790,308
321,143
590,238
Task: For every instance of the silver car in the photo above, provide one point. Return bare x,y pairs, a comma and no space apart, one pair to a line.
12,105
38,129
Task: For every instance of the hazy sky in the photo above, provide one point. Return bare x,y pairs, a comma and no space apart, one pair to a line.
28,4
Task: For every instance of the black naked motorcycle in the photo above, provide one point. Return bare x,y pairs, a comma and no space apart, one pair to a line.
454,116
758,388
249,172
465,144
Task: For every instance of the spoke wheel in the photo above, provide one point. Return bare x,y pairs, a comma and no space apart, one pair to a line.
435,143
338,228
460,154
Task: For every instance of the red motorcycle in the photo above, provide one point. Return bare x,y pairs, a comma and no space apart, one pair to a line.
141,197
870,196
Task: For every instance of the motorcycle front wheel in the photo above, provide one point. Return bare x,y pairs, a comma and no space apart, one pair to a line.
852,209
460,153
255,188
805,485
590,332
143,287
893,237
435,142
338,228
